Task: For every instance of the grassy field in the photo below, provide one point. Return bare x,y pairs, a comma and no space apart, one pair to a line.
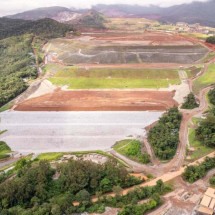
200,150
196,35
132,150
134,24
209,57
4,150
80,78
50,156
205,80
193,71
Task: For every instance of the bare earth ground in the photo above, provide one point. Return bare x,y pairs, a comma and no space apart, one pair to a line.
99,100
158,38
124,48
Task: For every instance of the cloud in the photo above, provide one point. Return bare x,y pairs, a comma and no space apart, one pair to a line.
15,6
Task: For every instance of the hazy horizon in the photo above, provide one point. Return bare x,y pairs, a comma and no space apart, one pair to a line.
10,7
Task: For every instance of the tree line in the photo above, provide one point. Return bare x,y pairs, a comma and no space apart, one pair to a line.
38,187
205,132
194,172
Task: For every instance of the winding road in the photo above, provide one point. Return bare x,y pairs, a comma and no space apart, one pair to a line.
157,168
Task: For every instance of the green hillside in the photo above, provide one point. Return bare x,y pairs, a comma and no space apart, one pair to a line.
46,28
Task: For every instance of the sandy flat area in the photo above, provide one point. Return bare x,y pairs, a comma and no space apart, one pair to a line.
71,131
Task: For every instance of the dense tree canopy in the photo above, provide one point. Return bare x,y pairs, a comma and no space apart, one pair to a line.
211,40
193,173
190,102
205,133
17,66
164,137
211,96
18,60
46,28
35,186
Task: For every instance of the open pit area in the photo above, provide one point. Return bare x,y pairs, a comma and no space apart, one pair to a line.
124,48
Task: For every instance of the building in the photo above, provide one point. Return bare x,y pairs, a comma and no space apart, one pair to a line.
207,204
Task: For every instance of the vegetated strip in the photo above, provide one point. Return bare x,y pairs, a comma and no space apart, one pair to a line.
164,136
132,149
194,172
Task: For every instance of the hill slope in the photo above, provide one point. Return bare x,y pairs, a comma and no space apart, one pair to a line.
83,18
47,28
90,19
40,13
196,12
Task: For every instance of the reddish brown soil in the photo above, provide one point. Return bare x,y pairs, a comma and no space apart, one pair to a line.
155,37
138,65
99,101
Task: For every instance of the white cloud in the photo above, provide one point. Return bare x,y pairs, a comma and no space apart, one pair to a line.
14,6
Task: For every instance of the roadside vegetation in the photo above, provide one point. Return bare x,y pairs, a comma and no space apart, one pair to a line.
205,132
198,149
202,132
164,136
132,149
195,172
4,150
37,188
190,102
211,96
80,78
212,181
211,40
205,80
34,190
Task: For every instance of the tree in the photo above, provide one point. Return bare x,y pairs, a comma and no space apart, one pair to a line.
212,181
211,96
117,190
83,196
205,133
190,102
105,185
211,40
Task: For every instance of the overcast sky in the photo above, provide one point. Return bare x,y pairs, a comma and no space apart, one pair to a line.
14,6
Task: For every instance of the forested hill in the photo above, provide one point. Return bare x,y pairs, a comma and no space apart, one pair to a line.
47,28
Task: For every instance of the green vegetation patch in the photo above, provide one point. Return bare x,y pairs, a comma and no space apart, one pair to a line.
132,149
50,156
193,173
80,78
164,136
211,40
205,80
34,189
212,181
190,102
193,71
46,28
17,66
211,96
4,150
200,150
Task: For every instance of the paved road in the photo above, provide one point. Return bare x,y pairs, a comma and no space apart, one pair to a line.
71,131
